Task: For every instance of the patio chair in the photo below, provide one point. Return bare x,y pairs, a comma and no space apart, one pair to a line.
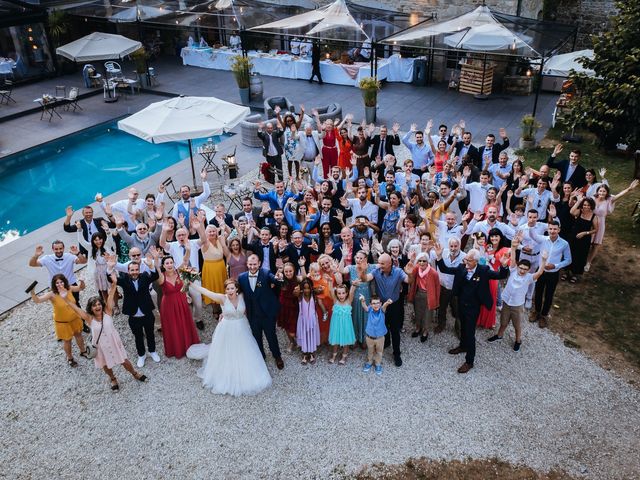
113,69
332,111
171,195
249,131
6,91
283,102
72,99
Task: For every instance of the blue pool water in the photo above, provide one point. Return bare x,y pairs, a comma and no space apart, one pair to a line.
37,184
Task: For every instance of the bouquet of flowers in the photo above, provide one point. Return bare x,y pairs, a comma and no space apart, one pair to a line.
188,275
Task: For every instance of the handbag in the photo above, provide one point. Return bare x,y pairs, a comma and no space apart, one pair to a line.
92,348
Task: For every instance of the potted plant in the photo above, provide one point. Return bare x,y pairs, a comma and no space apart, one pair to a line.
140,58
529,126
370,87
241,68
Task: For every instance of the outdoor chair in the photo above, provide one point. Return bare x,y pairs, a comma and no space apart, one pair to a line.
174,194
283,102
72,99
332,111
113,69
6,91
249,131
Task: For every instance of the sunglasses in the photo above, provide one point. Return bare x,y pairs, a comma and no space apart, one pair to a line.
422,261
135,255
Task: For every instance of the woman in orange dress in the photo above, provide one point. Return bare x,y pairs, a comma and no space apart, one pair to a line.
345,143
322,275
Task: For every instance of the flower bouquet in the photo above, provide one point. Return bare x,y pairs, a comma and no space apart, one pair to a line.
188,275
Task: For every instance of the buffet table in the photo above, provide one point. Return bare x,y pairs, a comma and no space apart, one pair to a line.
288,66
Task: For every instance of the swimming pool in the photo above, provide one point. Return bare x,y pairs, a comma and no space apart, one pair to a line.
37,184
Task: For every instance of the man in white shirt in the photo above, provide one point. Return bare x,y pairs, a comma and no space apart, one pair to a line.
177,250
485,226
541,197
500,171
448,229
183,207
513,296
452,257
362,207
133,203
559,257
478,190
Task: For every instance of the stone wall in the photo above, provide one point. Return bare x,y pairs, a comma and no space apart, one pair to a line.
591,16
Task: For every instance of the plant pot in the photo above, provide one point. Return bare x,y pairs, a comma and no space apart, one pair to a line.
245,95
527,144
370,114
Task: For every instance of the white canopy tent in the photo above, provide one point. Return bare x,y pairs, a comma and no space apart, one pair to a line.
561,65
333,16
487,37
98,46
140,12
184,118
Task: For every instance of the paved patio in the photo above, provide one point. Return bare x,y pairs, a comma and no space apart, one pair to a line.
397,102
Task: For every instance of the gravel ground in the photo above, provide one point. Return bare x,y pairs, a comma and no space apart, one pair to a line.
546,406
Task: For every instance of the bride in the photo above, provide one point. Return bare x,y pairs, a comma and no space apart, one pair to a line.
233,363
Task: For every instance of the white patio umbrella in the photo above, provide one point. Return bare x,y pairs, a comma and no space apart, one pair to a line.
140,12
487,37
561,65
98,46
184,118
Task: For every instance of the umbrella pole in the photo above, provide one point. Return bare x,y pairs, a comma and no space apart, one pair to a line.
193,168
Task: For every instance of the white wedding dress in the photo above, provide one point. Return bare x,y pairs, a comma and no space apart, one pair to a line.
233,363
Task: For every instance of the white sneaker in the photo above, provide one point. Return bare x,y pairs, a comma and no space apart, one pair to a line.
154,356
140,362
587,267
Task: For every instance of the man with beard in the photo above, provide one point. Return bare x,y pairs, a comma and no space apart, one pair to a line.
183,207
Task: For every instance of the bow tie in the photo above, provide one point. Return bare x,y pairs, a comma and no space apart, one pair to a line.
59,259
253,276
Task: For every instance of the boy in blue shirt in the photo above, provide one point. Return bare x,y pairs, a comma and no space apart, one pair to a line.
375,331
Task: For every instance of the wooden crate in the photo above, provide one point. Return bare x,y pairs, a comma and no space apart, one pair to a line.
475,79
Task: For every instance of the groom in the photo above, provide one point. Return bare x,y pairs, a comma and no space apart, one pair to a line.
262,305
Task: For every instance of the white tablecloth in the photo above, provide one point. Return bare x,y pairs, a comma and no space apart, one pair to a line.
286,66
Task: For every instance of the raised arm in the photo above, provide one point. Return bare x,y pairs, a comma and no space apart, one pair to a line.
81,313
67,220
621,194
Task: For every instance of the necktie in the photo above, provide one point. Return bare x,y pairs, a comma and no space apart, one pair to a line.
382,148
184,252
89,231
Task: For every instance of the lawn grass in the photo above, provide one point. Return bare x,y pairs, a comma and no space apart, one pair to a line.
602,309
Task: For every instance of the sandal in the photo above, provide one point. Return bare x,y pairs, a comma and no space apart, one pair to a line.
312,359
343,360
140,377
333,358
564,277
72,362
304,360
85,354
114,385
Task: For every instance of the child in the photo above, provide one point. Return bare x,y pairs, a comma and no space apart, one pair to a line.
341,333
308,329
375,330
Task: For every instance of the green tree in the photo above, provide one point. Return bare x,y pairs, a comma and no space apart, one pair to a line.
609,102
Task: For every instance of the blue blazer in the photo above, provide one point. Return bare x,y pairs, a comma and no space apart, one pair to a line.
272,198
261,302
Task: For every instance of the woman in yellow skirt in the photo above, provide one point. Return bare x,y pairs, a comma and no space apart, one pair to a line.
67,323
214,269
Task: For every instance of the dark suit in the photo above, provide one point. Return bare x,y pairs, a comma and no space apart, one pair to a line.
473,152
294,256
334,223
315,62
389,142
228,220
255,215
139,299
274,160
577,180
262,308
471,295
257,248
495,151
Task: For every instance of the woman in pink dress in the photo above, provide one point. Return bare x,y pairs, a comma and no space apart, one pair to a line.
605,203
178,330
329,136
236,258
105,338
495,250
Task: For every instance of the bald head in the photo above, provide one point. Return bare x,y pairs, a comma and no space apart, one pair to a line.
385,262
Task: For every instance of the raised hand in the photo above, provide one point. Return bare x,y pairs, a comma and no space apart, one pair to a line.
462,123
104,225
557,149
503,133
195,224
545,255
69,211
395,128
504,261
603,172
277,109
98,197
39,251
466,171
73,250
302,261
119,219
203,174
552,210
364,243
429,126
107,209
414,127
315,112
438,249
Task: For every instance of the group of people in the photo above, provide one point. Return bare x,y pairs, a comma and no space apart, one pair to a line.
333,257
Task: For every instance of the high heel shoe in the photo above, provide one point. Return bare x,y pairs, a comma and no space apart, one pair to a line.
343,359
333,358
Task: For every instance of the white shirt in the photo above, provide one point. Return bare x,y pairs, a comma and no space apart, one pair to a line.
485,228
529,240
538,201
559,253
199,200
253,279
272,151
369,210
121,207
175,250
446,279
515,292
266,251
478,195
63,265
445,233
